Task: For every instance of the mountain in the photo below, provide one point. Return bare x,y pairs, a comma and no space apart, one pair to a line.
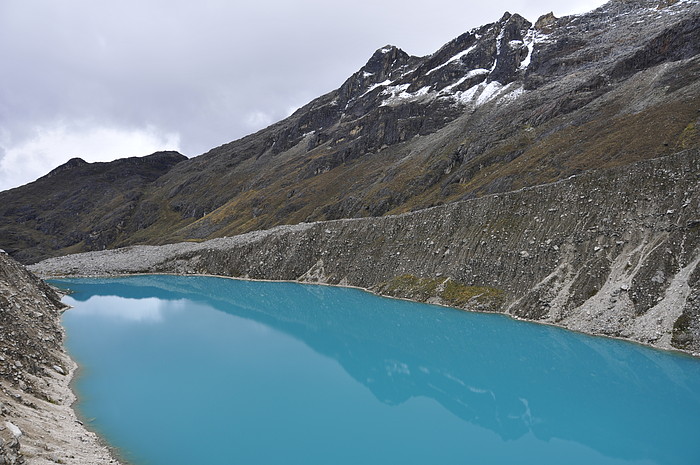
609,252
79,206
504,106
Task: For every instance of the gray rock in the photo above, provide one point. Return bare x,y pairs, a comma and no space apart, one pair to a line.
568,283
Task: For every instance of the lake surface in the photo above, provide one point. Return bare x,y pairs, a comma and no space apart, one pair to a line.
195,370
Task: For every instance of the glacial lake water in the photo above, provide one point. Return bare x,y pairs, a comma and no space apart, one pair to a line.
202,370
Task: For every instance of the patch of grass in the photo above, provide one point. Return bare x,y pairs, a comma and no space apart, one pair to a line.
459,295
448,291
689,136
411,286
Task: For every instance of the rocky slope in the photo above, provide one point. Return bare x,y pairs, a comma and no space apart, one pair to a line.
37,424
507,105
611,252
79,206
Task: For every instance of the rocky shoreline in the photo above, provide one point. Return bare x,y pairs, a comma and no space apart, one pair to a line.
610,252
38,425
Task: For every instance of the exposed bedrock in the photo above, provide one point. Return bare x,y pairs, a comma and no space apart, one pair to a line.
610,252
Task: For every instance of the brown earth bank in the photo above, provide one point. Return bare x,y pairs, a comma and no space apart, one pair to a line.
610,252
37,423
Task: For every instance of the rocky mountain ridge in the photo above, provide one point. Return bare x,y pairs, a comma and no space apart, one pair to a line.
504,106
79,206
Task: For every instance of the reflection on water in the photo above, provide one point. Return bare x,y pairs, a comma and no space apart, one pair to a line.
137,310
280,372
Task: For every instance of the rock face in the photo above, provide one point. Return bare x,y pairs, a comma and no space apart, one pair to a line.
504,106
611,252
37,425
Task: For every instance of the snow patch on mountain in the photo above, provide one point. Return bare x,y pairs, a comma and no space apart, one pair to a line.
532,38
483,93
470,75
374,86
398,95
477,95
489,91
466,96
499,39
510,93
454,58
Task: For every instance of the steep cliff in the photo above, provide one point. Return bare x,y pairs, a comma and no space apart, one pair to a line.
611,252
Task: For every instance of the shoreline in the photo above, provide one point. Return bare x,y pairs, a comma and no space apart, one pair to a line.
52,430
672,350
74,374
624,269
102,441
105,452
38,422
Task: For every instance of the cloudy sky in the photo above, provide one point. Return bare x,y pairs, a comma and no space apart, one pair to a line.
104,80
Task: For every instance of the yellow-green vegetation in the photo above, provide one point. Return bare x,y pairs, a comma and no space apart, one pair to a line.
447,290
689,136
606,141
162,231
457,294
400,286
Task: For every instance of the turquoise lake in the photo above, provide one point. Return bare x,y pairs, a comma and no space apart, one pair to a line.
203,370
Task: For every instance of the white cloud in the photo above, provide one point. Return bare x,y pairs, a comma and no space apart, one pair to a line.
127,310
576,7
52,146
258,120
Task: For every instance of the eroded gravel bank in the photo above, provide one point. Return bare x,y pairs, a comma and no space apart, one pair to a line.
610,252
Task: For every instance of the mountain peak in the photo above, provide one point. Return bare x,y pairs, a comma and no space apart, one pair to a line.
166,156
385,60
70,164
506,16
545,22
75,161
383,65
387,49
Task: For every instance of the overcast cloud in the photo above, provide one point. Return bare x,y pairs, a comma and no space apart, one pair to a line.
105,80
